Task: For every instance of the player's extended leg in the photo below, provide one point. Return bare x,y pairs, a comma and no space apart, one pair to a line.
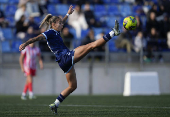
72,82
82,51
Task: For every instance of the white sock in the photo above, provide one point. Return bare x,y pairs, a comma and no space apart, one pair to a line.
23,94
57,102
30,93
111,33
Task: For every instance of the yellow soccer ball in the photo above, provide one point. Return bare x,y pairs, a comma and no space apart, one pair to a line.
130,23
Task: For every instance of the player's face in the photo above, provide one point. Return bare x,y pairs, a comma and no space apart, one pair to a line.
58,25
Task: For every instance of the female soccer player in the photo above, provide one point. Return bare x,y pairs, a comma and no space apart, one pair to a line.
66,58
28,66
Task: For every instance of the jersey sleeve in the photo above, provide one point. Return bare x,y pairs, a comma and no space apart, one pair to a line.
48,34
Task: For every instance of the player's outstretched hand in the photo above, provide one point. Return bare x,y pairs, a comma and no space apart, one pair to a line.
70,10
22,47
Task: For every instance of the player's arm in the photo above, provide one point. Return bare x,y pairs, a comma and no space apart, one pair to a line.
40,62
32,40
21,58
70,11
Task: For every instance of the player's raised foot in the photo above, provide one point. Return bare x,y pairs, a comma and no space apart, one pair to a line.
116,28
32,97
53,108
23,97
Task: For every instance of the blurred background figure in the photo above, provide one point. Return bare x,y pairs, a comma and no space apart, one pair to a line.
28,67
21,2
91,38
152,22
139,25
43,4
3,22
20,12
124,41
33,8
168,39
35,26
138,44
1,35
77,21
152,45
21,28
164,26
30,33
89,15
67,37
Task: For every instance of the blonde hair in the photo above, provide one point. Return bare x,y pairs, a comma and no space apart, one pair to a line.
48,20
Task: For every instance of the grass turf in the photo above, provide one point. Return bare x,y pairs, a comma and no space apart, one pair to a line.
87,106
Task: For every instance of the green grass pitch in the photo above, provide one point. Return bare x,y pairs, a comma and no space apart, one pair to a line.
87,106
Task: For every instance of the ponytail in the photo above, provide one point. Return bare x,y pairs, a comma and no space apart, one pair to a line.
46,21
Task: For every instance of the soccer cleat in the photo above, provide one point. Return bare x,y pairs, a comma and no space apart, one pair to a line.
32,97
53,108
23,97
116,28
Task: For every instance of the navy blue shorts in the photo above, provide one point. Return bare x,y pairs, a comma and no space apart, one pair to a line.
66,61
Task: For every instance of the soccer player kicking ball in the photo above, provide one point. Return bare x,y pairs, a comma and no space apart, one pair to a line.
66,58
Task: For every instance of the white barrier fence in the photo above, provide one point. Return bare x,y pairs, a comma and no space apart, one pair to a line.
141,83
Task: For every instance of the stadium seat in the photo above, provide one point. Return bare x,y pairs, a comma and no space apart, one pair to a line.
13,1
10,10
37,20
91,7
155,1
76,43
112,46
121,22
98,30
2,7
111,1
84,33
111,21
15,45
52,9
115,1
113,10
138,10
73,31
125,10
143,19
62,9
54,1
5,46
100,10
3,1
7,32
11,21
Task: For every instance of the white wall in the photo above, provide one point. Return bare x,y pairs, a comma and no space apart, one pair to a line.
51,80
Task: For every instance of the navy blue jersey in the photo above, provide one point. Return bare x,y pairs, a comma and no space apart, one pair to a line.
55,43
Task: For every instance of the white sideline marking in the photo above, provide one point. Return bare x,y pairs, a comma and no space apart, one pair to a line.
115,106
